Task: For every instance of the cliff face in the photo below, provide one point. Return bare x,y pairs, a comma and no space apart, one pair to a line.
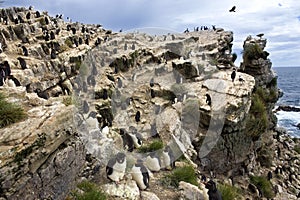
194,105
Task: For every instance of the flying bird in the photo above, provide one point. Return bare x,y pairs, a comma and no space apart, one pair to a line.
232,9
260,35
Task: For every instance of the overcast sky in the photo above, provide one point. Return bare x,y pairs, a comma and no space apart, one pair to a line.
279,20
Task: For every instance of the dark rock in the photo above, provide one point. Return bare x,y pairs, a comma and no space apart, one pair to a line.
287,109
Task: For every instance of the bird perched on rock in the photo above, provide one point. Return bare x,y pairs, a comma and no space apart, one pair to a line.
140,174
153,161
116,166
213,192
233,75
208,99
168,158
232,9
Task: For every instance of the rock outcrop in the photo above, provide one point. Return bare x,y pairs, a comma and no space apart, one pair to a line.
78,79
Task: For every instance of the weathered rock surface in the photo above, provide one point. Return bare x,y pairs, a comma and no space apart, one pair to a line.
95,78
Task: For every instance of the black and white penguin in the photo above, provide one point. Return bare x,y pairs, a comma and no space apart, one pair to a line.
151,82
53,54
75,42
138,116
21,20
116,166
85,107
25,51
269,175
46,20
152,93
2,77
73,29
105,94
136,137
105,129
82,29
22,63
208,99
241,79
7,69
128,142
14,82
153,161
37,14
87,41
168,158
153,131
233,75
46,36
68,27
28,15
16,20
140,175
213,192
57,31
80,41
42,94
52,35
119,83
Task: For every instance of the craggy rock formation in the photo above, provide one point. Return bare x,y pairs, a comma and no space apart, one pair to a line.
77,79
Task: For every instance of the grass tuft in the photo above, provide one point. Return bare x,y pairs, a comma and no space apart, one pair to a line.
153,146
9,112
264,185
89,192
185,173
229,192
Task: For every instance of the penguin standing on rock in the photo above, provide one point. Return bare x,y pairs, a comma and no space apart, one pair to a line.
128,142
140,175
136,137
168,158
53,54
213,192
153,162
233,75
25,51
138,116
116,166
22,63
208,99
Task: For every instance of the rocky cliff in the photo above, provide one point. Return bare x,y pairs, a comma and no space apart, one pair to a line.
74,79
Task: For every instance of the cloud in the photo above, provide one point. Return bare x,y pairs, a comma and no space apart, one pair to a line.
278,20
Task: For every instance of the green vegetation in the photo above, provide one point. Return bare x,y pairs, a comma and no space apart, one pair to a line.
297,148
229,192
42,21
68,101
89,192
9,112
264,185
153,146
69,43
257,121
185,173
252,51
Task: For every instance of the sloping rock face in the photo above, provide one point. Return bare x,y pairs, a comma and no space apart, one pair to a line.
77,78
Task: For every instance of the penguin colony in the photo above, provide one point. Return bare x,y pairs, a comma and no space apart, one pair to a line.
51,29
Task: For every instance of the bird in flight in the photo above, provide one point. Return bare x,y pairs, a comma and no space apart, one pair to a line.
260,35
232,9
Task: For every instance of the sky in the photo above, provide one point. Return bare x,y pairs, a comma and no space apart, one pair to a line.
279,20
